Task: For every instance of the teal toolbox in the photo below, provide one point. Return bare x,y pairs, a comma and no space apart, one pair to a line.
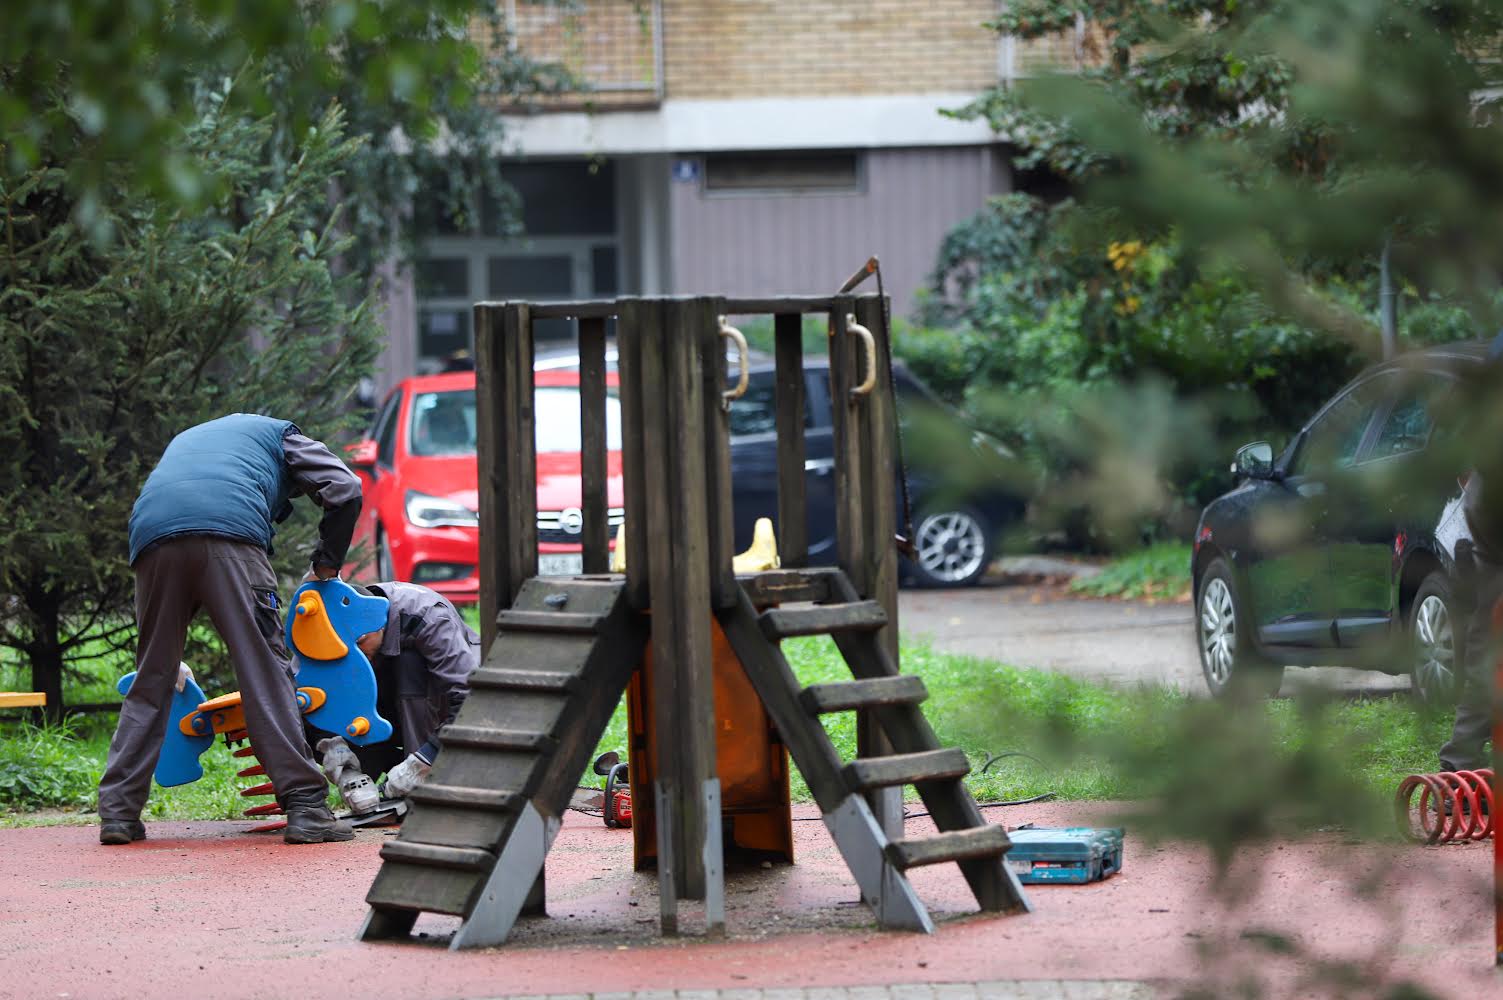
1072,855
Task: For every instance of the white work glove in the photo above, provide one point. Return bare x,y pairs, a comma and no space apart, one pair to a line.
184,675
406,776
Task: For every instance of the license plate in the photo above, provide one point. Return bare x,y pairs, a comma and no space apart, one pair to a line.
560,563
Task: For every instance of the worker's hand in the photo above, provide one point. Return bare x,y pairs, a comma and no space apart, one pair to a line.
184,675
406,776
321,573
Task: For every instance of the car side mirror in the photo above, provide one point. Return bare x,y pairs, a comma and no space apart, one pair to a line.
363,455
1254,461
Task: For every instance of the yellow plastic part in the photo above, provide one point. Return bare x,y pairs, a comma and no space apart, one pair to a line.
618,554
316,699
223,714
22,699
763,554
312,633
359,727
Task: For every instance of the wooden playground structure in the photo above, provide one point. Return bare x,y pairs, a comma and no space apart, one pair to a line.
560,651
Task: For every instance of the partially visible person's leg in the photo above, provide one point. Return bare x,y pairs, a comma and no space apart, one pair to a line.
417,718
240,593
166,578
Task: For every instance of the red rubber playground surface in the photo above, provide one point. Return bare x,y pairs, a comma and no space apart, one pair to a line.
209,910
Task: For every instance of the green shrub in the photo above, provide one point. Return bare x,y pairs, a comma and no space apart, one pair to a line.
1158,571
46,768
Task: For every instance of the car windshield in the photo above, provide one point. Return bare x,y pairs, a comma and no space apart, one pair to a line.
443,423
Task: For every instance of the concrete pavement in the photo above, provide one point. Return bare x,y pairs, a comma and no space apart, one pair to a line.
1044,625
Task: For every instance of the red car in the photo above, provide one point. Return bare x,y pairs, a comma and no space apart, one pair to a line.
418,471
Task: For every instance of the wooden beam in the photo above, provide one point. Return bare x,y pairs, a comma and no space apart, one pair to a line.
704,326
592,456
791,395
639,320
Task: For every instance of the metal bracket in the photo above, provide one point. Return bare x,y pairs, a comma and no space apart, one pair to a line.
510,881
883,887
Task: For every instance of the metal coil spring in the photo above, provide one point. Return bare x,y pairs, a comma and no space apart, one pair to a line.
1453,805
256,791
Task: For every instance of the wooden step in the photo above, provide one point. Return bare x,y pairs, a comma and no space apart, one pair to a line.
842,696
468,797
907,769
572,622
822,619
957,845
469,859
507,679
486,738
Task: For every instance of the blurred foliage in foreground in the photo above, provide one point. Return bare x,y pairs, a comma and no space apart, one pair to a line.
1157,572
1202,267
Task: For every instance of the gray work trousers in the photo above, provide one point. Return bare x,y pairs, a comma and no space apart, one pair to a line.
1466,749
234,583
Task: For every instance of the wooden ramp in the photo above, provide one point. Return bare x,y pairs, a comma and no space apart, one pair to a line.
877,862
474,841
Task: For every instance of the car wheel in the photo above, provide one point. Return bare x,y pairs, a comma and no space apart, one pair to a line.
1435,650
385,570
952,548
1225,642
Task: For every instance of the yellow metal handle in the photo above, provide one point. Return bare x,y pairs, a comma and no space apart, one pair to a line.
743,363
870,343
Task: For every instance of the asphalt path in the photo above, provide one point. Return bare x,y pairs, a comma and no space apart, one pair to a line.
1122,642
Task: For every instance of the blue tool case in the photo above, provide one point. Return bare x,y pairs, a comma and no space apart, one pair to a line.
1072,855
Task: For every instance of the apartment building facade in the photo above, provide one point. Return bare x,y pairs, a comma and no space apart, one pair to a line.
725,146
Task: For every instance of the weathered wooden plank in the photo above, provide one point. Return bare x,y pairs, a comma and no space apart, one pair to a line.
779,304
791,396
704,321
843,696
549,621
681,587
513,455
592,455
580,309
980,842
781,586
845,373
639,320
488,406
510,679
468,797
875,561
422,887
437,856
488,738
823,619
907,768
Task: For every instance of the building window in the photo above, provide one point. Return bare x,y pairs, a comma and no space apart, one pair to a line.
782,173
569,249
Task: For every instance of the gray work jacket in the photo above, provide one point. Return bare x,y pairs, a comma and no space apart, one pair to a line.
423,621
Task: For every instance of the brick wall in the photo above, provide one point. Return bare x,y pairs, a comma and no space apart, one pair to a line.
820,48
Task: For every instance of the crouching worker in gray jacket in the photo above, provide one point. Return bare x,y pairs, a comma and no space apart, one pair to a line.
200,533
423,659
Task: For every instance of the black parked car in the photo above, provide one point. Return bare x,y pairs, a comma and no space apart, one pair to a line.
1339,552
956,524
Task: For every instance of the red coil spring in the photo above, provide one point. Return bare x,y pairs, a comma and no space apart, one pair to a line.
255,791
1453,805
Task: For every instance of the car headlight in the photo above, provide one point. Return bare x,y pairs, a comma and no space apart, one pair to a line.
438,512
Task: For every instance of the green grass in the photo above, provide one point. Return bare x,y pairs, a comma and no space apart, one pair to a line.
1337,757
1158,572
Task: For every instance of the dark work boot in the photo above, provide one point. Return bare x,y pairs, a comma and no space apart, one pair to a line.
121,831
309,820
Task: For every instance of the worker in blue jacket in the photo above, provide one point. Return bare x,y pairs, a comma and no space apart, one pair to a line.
200,534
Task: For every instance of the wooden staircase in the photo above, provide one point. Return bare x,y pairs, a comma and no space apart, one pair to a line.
877,862
474,841
480,827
